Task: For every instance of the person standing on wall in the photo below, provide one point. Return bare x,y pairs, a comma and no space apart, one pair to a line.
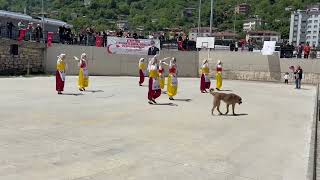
306,51
10,27
299,50
298,77
60,73
38,33
142,71
172,86
154,84
83,80
219,75
205,80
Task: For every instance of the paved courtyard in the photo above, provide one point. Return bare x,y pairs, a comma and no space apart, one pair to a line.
112,133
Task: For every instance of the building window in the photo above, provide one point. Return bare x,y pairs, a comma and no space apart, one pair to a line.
310,21
314,32
309,26
315,21
315,26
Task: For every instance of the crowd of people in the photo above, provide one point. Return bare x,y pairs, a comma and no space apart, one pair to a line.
33,31
301,51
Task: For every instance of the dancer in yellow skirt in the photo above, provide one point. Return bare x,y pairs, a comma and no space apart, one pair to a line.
172,86
219,75
83,81
142,71
162,72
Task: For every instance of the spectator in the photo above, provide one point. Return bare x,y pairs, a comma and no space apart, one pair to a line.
298,77
21,25
38,32
232,46
61,32
135,35
29,30
236,48
300,50
68,35
306,51
9,29
0,28
313,53
286,78
105,38
291,47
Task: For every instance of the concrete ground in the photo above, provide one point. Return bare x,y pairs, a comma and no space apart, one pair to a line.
112,133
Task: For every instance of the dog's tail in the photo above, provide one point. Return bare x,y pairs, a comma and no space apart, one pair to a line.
211,90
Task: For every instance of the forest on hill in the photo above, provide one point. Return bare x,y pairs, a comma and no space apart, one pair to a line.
154,15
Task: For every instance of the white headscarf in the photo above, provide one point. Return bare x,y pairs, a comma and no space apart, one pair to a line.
83,56
61,57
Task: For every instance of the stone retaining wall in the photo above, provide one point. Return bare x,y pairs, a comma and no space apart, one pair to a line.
28,53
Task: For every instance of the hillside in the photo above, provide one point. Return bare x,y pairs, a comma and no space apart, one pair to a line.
158,14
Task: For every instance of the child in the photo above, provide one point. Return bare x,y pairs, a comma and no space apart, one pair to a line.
286,78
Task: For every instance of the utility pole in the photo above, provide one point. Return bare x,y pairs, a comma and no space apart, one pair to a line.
211,18
42,14
234,23
199,18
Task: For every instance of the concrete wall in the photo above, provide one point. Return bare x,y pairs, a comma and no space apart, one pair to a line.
244,65
102,63
237,65
254,66
28,53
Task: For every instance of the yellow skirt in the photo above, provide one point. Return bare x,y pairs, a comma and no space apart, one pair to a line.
162,81
83,80
172,89
218,80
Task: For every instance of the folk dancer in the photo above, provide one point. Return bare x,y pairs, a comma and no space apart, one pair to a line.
205,80
219,75
60,73
172,86
154,84
162,72
142,71
83,80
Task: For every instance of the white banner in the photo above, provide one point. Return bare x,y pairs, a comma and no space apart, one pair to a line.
117,45
268,47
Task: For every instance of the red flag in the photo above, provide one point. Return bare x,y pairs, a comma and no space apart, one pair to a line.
49,40
99,41
22,34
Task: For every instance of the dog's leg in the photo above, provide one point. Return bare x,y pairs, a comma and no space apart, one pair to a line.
227,109
214,106
233,106
218,107
212,110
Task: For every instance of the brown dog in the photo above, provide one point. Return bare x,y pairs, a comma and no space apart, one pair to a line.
229,99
